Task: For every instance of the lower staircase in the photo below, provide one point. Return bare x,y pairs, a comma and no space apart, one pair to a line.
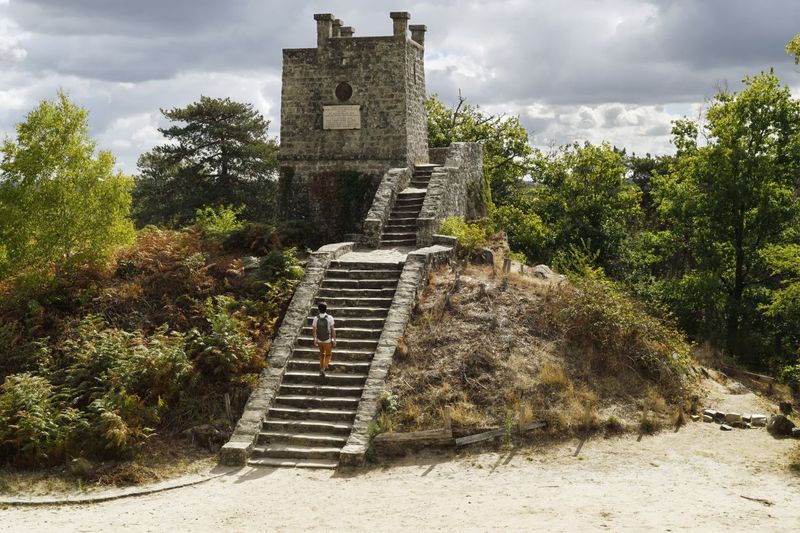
310,419
401,228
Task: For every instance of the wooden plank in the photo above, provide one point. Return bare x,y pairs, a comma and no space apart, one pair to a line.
480,437
533,425
430,434
752,375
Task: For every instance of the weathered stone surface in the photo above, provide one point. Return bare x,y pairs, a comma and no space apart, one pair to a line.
708,418
733,418
780,425
412,278
543,272
456,189
758,420
726,427
238,448
386,79
796,433
394,181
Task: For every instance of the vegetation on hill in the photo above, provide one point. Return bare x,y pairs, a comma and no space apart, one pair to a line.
580,355
709,236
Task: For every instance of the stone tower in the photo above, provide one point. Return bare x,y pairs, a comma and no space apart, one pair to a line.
351,108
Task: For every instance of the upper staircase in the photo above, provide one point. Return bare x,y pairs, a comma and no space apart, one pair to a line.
401,228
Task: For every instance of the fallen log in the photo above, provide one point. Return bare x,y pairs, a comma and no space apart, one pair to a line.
497,432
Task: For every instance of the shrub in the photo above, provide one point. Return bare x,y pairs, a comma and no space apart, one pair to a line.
470,236
225,351
34,429
253,238
218,222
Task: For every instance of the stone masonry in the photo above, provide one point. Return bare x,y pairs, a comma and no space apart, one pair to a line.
353,129
351,108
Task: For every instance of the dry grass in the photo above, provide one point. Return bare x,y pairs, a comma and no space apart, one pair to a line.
161,459
495,344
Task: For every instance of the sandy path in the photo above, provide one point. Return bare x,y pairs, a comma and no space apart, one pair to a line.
690,480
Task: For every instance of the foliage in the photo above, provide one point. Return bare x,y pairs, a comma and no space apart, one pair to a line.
615,334
505,142
582,196
217,153
224,351
470,237
220,222
524,229
61,203
793,48
34,429
728,203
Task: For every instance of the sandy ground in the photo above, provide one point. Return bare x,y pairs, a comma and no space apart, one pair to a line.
698,478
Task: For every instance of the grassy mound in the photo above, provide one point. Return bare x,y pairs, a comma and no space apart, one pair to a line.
581,356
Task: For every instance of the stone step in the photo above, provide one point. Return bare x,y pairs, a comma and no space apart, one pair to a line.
403,226
399,235
365,265
301,439
307,426
293,463
355,312
328,283
305,413
339,354
414,200
404,242
337,301
403,210
318,402
386,292
302,389
357,344
350,322
296,451
402,220
343,333
360,274
336,379
307,364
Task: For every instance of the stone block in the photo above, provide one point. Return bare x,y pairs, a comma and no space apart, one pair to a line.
235,453
733,418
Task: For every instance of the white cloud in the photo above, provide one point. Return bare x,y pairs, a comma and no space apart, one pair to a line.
11,51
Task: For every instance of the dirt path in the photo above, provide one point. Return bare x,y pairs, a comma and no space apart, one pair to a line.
693,479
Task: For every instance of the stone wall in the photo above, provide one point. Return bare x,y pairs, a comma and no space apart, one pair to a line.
386,80
414,276
456,189
394,181
244,437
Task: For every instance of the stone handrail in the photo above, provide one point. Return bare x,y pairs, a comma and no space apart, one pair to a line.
455,189
414,276
394,181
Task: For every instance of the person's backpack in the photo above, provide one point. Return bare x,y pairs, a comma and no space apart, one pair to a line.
323,330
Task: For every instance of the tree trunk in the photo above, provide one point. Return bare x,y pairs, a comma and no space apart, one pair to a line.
735,303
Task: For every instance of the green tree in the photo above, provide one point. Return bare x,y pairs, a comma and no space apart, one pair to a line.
506,151
61,203
793,48
217,153
584,200
730,201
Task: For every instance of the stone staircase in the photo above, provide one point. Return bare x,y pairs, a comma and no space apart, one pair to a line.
311,417
401,228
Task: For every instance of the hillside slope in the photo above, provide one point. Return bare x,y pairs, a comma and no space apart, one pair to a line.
577,355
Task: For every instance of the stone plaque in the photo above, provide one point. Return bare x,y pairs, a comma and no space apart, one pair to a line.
341,117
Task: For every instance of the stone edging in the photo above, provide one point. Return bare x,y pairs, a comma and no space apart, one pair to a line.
236,451
106,496
394,181
413,277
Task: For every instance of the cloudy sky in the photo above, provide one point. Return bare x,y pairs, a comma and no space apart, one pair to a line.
615,70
